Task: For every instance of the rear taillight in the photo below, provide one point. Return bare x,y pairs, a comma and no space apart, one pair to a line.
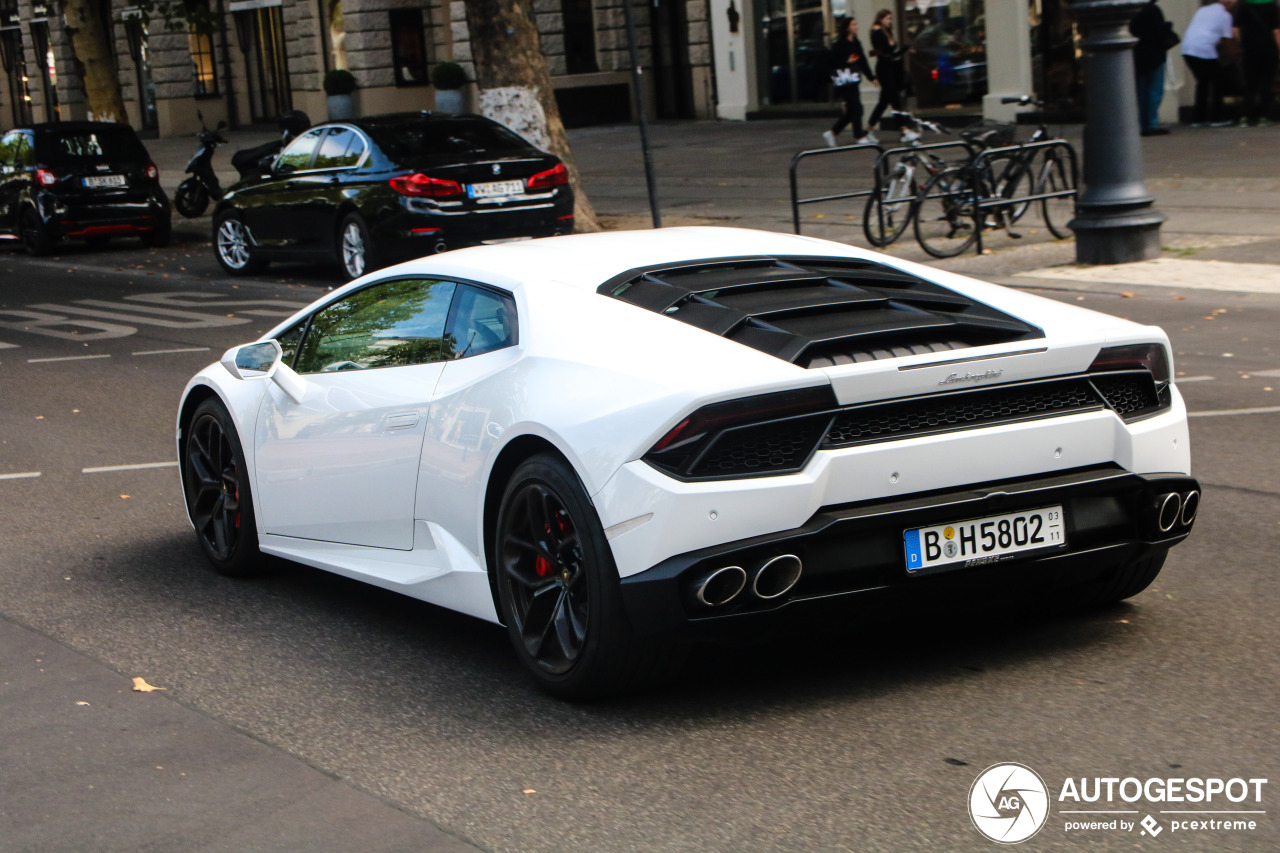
152,173
754,436
1149,357
46,177
554,177
425,186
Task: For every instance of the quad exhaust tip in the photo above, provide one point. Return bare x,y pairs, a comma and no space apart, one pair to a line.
1190,504
1170,511
776,577
722,586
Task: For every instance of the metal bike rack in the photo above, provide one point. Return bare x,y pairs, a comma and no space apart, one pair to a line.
881,169
796,201
981,205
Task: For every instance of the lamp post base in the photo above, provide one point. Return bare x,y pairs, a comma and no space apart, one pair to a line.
1118,240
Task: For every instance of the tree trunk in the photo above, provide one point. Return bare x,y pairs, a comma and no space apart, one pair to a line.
512,75
97,72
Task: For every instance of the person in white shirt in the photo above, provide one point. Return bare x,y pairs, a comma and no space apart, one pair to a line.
1209,25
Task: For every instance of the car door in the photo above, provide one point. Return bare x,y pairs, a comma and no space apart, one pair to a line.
342,465
269,208
317,194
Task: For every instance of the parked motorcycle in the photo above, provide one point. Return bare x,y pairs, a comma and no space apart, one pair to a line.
251,162
192,197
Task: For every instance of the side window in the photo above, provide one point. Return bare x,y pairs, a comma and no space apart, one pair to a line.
26,154
482,321
391,324
341,148
289,340
298,155
9,151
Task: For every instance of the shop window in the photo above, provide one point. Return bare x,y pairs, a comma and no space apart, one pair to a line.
949,64
409,54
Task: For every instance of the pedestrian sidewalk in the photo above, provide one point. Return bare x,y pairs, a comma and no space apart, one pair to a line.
91,764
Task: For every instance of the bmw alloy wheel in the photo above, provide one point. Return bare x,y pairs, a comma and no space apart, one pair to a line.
354,249
233,244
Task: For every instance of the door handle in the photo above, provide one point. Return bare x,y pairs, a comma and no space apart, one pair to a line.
400,421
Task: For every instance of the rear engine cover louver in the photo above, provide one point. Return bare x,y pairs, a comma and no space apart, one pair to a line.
818,312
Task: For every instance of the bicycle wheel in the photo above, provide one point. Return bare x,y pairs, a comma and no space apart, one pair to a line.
887,214
944,214
1007,177
1057,212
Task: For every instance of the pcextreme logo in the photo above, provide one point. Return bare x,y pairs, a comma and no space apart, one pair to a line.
1009,803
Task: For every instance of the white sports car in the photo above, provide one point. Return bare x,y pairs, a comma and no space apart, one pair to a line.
615,443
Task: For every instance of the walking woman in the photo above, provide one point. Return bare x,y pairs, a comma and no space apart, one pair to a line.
849,65
889,68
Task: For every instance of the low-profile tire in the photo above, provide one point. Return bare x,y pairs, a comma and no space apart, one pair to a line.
191,199
216,486
233,245
559,590
34,235
356,252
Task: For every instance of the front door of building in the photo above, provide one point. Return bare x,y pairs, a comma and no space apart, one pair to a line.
260,32
793,42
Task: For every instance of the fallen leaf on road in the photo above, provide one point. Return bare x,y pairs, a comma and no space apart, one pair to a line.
124,497
140,686
530,791
84,704
1127,294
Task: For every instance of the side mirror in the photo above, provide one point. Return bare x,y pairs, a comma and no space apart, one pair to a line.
262,360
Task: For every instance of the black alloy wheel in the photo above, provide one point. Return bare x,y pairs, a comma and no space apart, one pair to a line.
35,237
559,589
216,484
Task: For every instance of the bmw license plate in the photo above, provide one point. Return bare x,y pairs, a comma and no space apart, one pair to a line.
494,189
98,181
983,541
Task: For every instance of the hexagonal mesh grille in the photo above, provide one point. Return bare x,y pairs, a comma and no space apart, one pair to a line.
769,447
1128,392
961,410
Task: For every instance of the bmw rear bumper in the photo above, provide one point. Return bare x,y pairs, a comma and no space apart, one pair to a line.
853,556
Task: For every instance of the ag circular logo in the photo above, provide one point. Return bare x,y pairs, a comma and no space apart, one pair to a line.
1008,803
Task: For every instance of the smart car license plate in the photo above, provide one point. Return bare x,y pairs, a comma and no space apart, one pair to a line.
494,189
982,541
98,181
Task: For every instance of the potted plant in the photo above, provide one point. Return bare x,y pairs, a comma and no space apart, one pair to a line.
448,78
339,83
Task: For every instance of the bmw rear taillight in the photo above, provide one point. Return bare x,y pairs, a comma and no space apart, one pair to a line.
1133,379
554,177
152,172
750,437
46,177
425,186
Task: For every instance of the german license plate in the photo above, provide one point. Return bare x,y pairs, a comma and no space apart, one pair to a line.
97,181
982,541
494,189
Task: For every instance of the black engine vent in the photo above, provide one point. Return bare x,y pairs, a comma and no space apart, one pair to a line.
818,312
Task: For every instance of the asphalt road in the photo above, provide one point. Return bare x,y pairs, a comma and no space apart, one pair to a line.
866,738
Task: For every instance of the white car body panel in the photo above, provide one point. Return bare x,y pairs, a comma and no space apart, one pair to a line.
602,381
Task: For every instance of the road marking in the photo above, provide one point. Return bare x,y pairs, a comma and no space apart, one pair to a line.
139,467
25,475
1266,373
1181,380
1265,410
68,358
3,345
168,351
1174,273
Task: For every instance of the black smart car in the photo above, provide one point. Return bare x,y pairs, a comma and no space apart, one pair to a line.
83,179
375,190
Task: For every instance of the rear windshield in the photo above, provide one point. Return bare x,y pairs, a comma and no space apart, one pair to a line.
67,146
445,140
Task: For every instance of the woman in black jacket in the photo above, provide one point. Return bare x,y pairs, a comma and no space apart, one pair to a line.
889,68
849,64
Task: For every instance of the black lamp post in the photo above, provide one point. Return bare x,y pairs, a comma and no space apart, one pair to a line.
1115,222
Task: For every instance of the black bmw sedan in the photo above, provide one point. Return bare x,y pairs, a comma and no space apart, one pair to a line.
375,190
87,180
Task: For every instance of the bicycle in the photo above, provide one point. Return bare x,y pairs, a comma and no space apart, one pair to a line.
891,207
954,202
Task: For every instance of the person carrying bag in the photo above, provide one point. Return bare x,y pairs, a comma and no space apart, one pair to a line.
849,68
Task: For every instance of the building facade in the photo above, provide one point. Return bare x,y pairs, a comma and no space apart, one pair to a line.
254,59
